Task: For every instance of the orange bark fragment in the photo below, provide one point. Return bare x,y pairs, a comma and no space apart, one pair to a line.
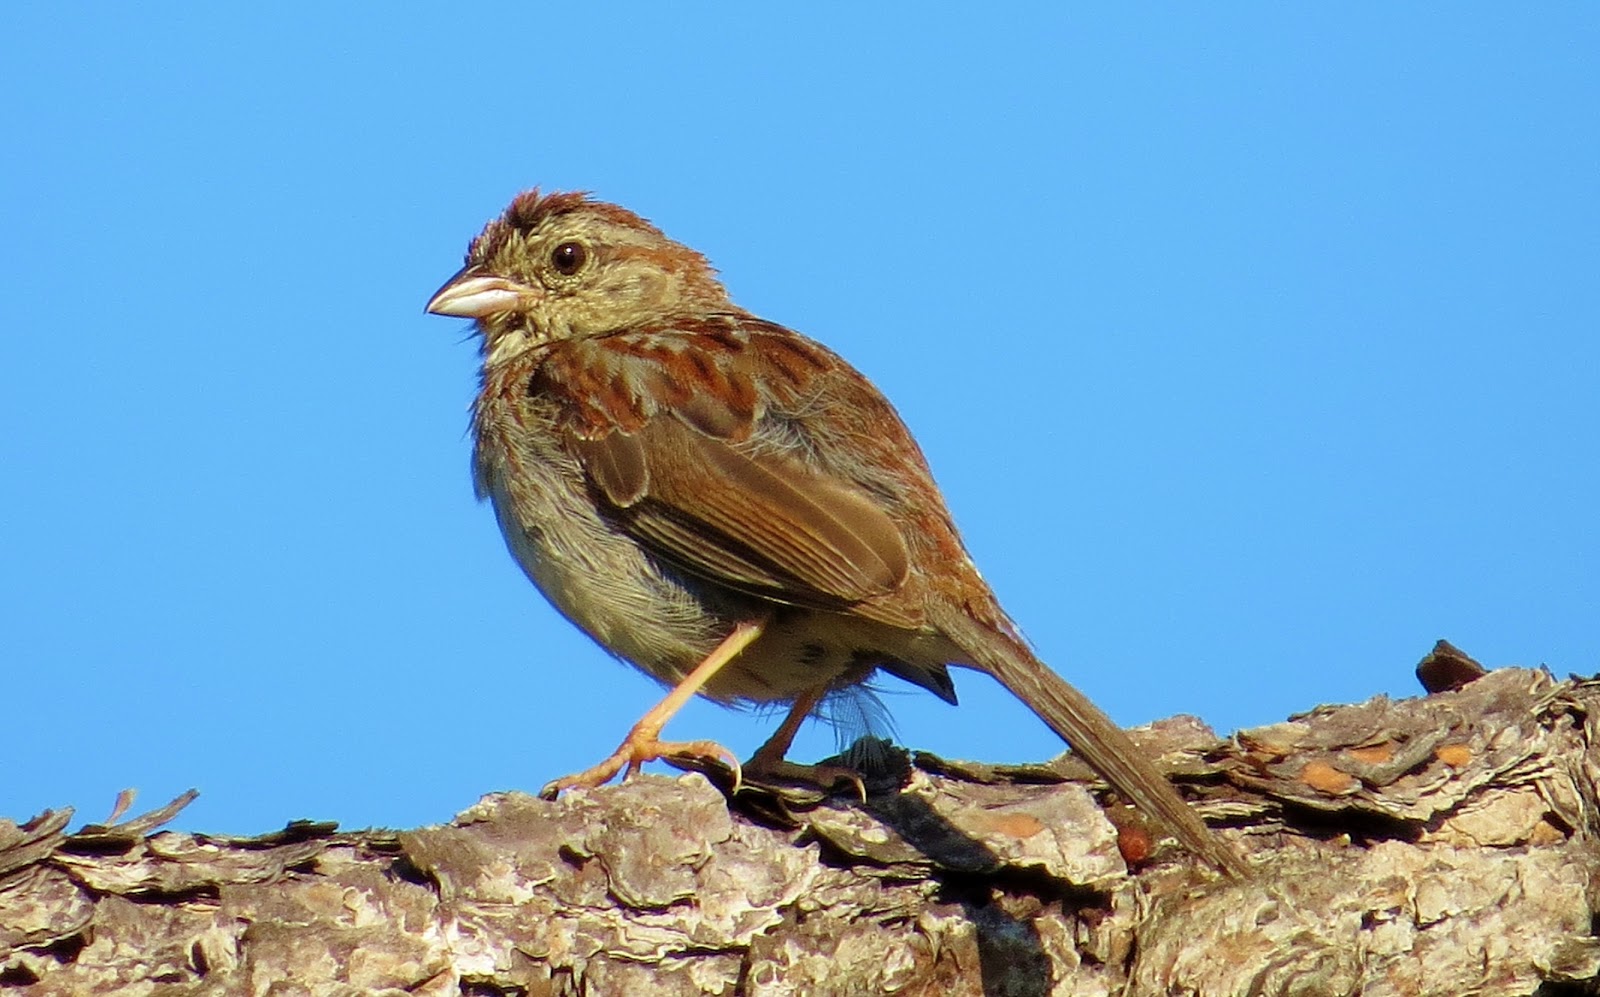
1016,825
1135,844
1377,754
1324,778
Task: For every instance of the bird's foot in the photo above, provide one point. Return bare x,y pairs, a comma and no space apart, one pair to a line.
826,777
638,747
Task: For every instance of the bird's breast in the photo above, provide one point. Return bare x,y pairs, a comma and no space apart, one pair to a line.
592,573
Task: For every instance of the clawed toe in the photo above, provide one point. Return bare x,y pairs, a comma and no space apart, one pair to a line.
825,777
632,754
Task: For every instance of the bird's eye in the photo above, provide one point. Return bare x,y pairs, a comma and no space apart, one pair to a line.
568,258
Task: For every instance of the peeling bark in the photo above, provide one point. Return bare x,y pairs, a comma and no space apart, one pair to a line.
1440,845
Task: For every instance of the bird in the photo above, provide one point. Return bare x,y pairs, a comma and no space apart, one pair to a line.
725,503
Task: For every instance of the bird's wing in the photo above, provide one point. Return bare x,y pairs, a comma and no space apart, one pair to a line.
761,523
689,473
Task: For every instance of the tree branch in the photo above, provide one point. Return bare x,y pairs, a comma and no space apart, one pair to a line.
1439,845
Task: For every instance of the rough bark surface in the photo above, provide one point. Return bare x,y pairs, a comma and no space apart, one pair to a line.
1439,845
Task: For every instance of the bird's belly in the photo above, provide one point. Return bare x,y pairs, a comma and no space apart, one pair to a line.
665,623
648,613
601,581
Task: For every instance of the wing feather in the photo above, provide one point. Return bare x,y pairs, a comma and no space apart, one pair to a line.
762,523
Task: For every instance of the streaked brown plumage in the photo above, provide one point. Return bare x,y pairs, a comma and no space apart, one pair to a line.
671,470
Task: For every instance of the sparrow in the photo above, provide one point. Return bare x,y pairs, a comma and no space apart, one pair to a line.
725,503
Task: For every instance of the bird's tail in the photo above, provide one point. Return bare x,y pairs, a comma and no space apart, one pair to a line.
1092,735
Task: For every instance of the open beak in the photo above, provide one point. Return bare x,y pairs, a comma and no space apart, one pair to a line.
471,294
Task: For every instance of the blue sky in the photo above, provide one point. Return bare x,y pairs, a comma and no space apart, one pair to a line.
1254,347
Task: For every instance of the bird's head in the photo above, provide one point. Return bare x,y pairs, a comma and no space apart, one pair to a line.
563,266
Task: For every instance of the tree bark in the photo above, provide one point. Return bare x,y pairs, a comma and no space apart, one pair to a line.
1439,845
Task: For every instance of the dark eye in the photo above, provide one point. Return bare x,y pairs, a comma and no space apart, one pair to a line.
568,258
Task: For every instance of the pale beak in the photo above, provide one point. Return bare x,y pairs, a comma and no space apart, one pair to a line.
470,294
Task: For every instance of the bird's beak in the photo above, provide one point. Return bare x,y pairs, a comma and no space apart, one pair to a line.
472,294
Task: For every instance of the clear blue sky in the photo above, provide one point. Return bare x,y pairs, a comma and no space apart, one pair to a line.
1255,348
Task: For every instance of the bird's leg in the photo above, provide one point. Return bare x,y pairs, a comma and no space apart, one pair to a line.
772,751
643,743
768,761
